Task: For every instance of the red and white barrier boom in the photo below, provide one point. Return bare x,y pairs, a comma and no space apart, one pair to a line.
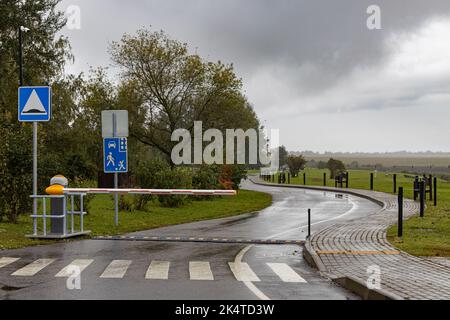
61,190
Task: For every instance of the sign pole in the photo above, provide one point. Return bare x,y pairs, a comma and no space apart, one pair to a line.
114,133
116,199
30,100
35,160
116,178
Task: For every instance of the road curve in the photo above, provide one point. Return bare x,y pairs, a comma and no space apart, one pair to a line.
188,270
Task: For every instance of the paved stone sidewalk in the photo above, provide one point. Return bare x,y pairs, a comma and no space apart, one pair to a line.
345,251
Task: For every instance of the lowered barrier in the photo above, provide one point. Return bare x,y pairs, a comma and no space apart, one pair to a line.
60,196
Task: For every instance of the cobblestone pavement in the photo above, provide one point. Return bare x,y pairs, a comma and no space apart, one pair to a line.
347,250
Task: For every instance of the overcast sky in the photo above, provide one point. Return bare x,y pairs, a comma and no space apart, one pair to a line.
310,68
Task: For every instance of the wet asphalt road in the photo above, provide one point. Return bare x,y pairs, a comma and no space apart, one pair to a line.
193,270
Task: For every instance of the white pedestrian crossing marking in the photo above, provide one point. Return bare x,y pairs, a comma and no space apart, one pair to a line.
4,261
116,269
243,272
285,272
77,263
158,270
33,268
200,270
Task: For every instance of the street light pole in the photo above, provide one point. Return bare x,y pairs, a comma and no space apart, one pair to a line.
22,30
20,57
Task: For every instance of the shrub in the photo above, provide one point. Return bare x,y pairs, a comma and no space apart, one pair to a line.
206,177
140,201
157,174
125,204
15,174
231,176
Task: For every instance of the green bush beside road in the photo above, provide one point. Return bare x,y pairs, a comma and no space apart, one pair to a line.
101,216
427,236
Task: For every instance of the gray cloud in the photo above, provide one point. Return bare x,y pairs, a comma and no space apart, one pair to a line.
296,57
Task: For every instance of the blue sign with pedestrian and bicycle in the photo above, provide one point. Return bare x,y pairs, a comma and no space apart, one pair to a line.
115,154
34,104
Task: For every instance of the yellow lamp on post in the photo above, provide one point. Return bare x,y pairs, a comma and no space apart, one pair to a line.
57,185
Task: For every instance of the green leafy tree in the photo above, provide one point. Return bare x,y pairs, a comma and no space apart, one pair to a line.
172,88
335,167
44,54
322,165
295,164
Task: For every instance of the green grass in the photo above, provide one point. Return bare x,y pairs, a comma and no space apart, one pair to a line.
100,219
427,236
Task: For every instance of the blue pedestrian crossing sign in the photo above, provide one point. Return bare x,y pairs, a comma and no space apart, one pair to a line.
34,104
115,154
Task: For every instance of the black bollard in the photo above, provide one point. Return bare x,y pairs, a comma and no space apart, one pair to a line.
422,197
304,178
309,223
430,186
371,181
400,213
346,179
289,178
394,177
324,179
435,191
416,187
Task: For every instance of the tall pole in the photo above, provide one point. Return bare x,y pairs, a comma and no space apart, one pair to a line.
20,57
21,83
116,179
35,166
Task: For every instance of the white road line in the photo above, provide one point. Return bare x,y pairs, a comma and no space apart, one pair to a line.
243,272
33,268
249,284
4,261
77,263
158,270
285,272
200,270
116,269
354,207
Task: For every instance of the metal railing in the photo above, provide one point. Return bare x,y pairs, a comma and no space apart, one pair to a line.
64,215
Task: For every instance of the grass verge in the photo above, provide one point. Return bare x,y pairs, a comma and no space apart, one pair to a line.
101,216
